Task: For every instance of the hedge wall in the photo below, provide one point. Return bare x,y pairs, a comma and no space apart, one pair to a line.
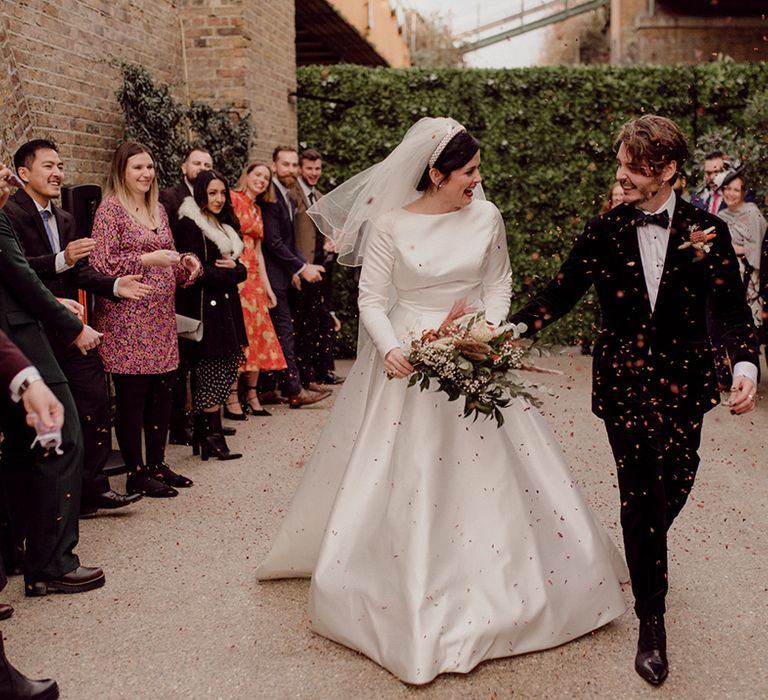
546,136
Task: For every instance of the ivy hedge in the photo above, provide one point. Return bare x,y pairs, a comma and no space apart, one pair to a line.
154,117
546,137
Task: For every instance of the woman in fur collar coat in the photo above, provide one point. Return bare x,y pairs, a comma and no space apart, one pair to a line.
208,227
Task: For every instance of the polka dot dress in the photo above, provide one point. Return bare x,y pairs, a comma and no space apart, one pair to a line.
213,378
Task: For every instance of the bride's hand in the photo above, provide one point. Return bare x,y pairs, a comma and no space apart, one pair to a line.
396,365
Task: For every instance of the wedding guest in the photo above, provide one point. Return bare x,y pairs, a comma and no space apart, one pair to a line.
196,160
19,377
747,226
614,198
708,198
312,321
42,486
208,228
59,255
263,352
286,267
680,186
140,347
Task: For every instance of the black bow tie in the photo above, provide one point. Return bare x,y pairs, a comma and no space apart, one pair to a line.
643,218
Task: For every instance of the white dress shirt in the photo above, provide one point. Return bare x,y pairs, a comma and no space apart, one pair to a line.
309,192
60,263
28,373
283,191
653,241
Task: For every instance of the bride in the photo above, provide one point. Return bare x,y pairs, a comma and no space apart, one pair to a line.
435,543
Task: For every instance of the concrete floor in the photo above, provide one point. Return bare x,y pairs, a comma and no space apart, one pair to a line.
182,616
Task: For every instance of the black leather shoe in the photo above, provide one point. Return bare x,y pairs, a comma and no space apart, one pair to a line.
162,472
229,432
109,500
144,484
651,660
330,379
6,611
82,579
14,685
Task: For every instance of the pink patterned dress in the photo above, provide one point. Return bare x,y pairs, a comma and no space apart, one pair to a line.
139,336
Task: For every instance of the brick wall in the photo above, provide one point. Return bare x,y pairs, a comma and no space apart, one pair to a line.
637,37
243,52
61,67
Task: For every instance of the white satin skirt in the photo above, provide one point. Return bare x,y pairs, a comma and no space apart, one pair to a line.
435,543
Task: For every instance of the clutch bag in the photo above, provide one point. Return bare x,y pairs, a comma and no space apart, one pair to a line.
189,328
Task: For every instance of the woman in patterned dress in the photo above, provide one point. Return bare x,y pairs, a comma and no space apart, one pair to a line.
140,347
264,351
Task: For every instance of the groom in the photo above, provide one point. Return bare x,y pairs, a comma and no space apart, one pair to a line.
653,371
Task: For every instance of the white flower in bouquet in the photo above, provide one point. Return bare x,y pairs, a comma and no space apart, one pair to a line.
483,332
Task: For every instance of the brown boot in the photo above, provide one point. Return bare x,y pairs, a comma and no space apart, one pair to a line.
306,397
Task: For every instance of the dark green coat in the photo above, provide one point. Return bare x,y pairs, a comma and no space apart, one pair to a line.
26,306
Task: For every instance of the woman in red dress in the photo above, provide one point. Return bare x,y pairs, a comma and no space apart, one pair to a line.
256,295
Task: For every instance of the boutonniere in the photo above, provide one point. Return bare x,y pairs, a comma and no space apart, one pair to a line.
699,240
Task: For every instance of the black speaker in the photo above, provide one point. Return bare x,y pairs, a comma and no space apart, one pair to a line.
81,201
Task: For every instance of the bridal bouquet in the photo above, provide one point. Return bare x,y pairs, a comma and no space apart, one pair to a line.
469,357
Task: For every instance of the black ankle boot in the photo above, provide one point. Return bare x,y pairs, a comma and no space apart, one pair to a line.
14,685
651,660
210,440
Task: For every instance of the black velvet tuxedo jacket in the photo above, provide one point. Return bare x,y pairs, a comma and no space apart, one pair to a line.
29,227
281,256
650,362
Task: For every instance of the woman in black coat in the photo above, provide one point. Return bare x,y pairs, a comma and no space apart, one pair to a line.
208,227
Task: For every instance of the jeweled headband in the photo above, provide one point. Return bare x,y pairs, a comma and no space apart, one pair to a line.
453,131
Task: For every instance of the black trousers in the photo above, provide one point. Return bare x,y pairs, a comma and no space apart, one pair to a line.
324,359
88,384
282,319
656,468
181,414
308,316
42,491
143,403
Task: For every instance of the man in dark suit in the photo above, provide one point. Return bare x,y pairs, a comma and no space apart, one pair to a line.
656,275
195,161
20,378
42,487
708,197
57,252
314,324
286,267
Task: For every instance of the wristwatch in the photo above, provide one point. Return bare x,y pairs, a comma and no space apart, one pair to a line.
27,382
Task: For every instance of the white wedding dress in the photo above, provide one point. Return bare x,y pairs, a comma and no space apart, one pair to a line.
435,543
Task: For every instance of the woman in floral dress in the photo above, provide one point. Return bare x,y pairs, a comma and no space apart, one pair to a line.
140,346
263,352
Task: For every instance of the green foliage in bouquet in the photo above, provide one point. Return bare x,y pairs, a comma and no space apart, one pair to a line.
470,359
547,143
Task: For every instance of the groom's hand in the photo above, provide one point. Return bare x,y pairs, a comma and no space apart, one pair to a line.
743,395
